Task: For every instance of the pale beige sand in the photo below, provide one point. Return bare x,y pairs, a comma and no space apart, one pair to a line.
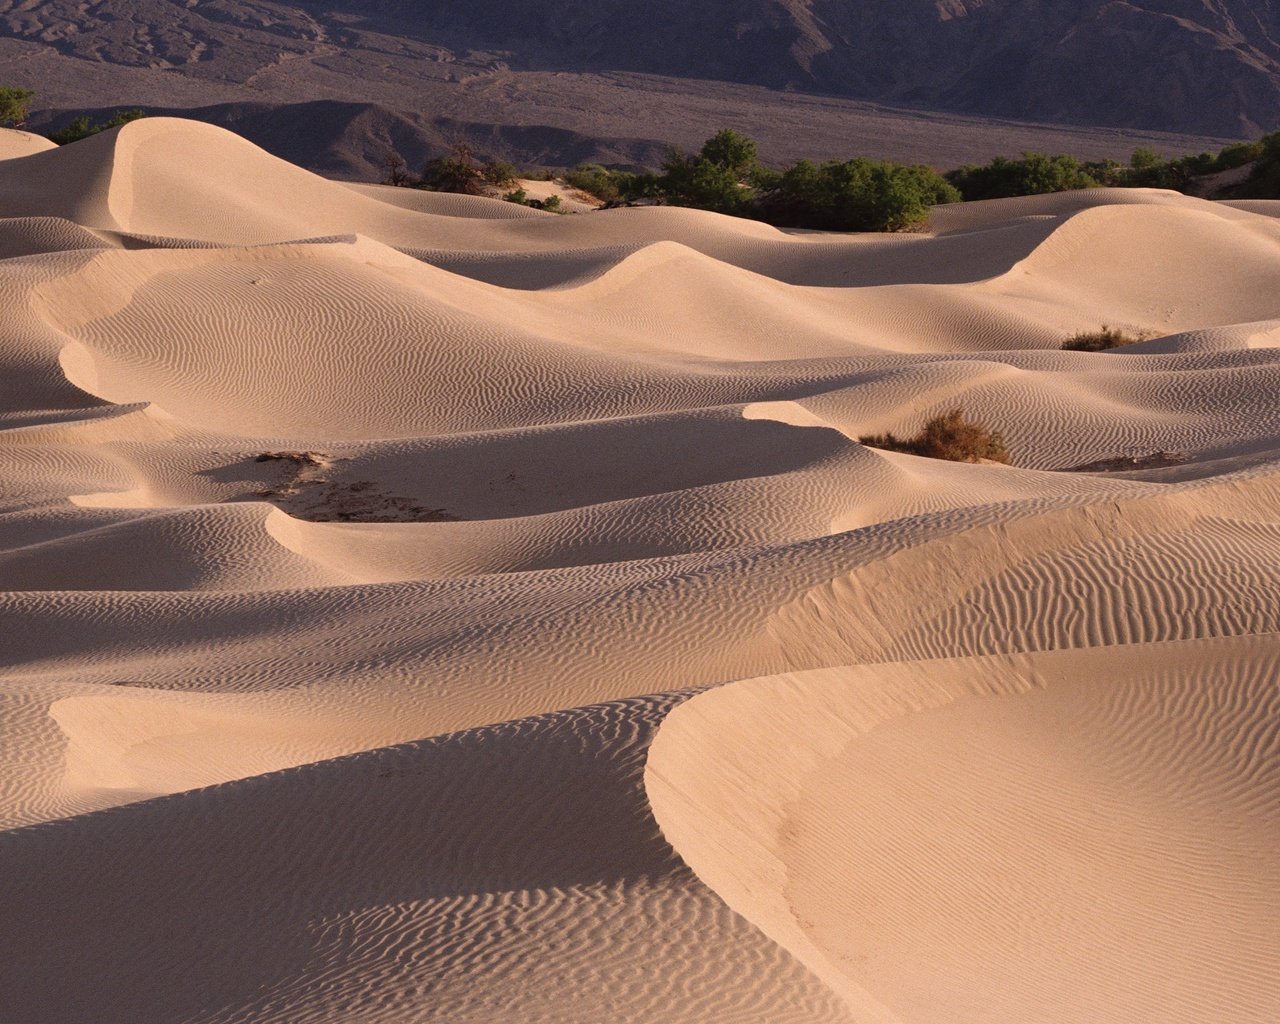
347,534
15,143
1087,834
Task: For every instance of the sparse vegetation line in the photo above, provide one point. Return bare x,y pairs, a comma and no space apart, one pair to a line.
726,176
860,194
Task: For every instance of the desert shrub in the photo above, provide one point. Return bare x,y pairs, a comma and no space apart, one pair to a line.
82,128
456,172
498,172
1238,154
397,171
1032,174
1264,180
15,104
1147,169
644,185
949,436
521,198
78,129
1099,340
854,195
1205,163
121,117
1144,158
594,180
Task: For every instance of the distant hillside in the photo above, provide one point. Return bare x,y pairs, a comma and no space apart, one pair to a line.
350,141
1209,67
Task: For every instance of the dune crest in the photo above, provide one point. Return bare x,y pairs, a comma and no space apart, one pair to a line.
417,608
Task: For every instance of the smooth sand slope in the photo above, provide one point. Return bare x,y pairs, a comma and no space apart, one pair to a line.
417,609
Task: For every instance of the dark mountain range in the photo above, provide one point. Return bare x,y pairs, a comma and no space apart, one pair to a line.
1183,65
614,69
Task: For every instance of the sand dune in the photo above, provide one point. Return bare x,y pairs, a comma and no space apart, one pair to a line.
522,866
965,840
347,535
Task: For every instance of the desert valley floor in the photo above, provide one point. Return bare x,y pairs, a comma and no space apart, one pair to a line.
420,608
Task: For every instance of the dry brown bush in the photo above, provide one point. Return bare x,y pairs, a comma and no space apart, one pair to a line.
949,436
1100,340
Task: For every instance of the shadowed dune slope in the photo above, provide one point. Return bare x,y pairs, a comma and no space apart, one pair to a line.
523,867
346,535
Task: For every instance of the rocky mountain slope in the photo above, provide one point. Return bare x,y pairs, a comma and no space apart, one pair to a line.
1209,67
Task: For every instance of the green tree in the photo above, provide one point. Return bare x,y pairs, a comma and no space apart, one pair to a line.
698,182
1237,155
731,151
1144,159
1033,174
718,178
854,195
498,172
15,104
1264,180
594,180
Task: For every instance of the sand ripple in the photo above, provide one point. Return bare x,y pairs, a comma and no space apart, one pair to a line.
346,536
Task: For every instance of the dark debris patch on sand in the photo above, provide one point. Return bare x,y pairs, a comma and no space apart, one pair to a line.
1127,463
305,491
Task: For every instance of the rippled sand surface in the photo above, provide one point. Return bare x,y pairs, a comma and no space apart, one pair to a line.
420,608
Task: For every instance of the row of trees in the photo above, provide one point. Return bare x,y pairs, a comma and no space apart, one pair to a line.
874,195
726,176
1039,173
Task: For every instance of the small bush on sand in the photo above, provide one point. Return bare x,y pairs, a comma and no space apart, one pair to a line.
521,198
1100,340
949,436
